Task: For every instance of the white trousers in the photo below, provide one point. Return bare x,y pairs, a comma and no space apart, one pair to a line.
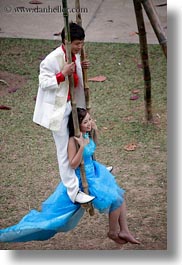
61,139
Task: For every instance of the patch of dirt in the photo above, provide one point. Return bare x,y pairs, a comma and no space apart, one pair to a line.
10,82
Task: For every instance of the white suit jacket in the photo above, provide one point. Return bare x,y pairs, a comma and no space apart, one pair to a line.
51,97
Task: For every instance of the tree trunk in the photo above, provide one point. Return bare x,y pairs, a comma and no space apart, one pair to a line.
144,58
156,24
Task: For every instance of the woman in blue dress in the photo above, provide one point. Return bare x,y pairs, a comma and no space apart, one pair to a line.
109,197
59,214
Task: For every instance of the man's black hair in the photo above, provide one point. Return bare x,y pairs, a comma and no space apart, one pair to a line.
76,32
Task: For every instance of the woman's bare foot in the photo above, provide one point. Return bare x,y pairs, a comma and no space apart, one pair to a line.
128,238
116,238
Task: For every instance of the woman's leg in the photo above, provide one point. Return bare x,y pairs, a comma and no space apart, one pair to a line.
124,230
114,226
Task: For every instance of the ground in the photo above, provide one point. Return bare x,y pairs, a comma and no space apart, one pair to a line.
29,166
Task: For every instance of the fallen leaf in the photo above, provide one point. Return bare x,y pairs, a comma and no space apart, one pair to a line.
35,2
134,97
133,33
130,147
5,107
99,78
135,91
12,90
57,34
140,66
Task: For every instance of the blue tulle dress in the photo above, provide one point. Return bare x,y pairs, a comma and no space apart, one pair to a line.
58,213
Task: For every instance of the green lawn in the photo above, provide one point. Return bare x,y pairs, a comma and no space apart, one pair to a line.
29,170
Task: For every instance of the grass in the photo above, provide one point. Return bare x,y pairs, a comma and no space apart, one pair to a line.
29,170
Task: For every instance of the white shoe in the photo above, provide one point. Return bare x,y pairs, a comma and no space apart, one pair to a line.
110,168
82,197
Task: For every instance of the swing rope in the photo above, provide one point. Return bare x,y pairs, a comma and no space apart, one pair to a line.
88,206
84,70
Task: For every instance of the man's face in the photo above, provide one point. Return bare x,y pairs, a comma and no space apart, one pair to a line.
76,46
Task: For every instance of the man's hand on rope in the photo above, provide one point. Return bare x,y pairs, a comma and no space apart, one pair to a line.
68,69
85,64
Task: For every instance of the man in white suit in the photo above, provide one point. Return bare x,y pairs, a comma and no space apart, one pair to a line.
53,104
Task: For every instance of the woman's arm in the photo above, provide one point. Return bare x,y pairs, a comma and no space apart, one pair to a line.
75,157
